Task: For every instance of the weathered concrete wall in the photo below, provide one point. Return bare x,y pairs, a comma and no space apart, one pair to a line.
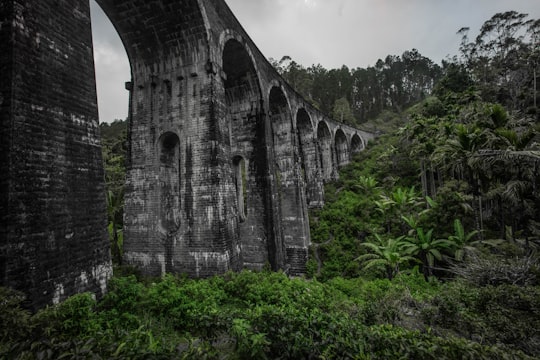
52,205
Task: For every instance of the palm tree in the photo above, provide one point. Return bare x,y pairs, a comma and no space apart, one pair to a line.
400,202
423,246
385,253
464,241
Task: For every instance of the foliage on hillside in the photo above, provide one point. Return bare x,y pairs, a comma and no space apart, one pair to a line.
459,178
440,186
502,62
354,96
269,316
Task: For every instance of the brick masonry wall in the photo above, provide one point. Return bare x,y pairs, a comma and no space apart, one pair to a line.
54,240
178,215
6,55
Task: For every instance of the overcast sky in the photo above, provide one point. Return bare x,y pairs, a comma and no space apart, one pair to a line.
328,32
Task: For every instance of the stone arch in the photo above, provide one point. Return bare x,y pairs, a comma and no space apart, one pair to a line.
324,140
147,38
169,196
294,231
356,144
241,81
249,167
281,135
226,36
308,156
304,131
281,123
341,148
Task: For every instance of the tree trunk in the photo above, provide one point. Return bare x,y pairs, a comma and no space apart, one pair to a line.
423,177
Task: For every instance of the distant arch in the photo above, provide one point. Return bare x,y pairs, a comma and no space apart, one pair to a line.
356,144
341,148
307,150
324,140
277,100
281,123
304,130
281,129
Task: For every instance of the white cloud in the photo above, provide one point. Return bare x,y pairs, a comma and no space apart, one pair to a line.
112,68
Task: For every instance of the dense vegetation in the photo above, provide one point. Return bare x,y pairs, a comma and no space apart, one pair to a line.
460,176
502,62
426,247
114,147
269,316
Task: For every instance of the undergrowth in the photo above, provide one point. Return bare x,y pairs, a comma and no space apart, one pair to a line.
269,316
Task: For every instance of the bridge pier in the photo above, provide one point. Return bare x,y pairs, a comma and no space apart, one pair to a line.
53,239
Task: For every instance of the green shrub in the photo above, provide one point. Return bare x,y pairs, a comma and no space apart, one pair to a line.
73,318
267,315
390,342
192,306
124,294
505,314
14,320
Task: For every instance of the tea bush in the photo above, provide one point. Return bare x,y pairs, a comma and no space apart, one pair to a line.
269,316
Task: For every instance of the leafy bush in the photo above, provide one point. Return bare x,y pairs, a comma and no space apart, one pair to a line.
267,315
505,314
190,305
390,342
14,320
73,318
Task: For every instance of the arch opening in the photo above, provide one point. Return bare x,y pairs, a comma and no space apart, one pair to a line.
356,144
341,148
247,141
324,141
241,83
308,157
292,211
281,123
305,138
112,67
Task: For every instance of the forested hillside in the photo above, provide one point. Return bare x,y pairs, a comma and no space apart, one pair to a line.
460,175
427,247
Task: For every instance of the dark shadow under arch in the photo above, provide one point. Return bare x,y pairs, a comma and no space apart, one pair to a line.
356,144
341,148
324,141
307,149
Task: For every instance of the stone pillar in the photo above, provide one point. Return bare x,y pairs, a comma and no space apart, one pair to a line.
52,202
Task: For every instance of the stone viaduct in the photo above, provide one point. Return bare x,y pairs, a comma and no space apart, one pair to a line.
224,159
